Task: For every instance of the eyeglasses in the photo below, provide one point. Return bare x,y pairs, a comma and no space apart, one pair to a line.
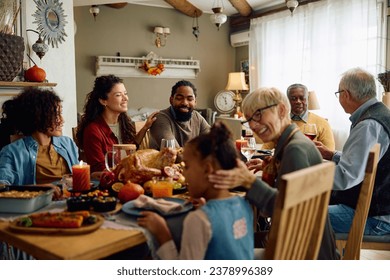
258,114
337,93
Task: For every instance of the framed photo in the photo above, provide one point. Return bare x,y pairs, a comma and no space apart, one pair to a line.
244,67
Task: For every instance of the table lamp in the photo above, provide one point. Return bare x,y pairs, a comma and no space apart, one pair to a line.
313,101
236,83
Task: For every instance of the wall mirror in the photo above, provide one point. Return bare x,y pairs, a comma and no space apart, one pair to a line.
51,21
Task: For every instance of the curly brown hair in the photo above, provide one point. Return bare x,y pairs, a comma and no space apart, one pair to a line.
93,109
34,109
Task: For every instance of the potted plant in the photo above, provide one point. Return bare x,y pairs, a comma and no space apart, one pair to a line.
384,79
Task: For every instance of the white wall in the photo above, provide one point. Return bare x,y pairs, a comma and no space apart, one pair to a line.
59,63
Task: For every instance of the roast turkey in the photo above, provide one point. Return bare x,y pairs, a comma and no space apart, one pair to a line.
145,164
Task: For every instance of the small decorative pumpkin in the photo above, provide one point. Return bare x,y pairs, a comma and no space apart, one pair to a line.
35,74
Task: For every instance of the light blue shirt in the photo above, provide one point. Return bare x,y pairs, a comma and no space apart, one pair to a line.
18,159
351,162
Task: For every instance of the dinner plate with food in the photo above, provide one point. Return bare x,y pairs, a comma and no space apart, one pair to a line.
67,223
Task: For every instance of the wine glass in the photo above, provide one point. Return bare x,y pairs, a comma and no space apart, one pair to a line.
310,130
167,143
117,154
248,148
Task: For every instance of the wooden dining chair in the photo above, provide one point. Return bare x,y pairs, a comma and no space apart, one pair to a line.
300,213
145,141
350,244
81,151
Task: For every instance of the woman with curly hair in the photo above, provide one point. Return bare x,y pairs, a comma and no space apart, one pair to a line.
105,121
42,155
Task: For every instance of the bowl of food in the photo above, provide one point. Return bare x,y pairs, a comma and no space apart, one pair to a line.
77,203
104,203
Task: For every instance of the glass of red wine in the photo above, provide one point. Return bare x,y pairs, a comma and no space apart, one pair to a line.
310,130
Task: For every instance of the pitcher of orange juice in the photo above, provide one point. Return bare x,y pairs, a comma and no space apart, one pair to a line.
162,187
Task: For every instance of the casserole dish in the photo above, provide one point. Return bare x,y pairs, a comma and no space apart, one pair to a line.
24,199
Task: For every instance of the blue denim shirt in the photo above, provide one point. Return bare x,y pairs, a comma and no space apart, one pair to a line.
18,159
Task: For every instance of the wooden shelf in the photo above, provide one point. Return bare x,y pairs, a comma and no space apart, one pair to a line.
25,84
132,66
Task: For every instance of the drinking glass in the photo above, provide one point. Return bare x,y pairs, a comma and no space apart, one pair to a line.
248,148
167,143
119,151
310,130
66,184
162,187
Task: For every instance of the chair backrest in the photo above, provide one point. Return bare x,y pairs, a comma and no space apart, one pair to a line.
208,114
145,141
81,151
353,243
299,217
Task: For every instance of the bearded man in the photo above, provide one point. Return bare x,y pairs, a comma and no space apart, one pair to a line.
179,121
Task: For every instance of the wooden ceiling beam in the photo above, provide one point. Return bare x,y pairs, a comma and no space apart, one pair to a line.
242,6
117,5
185,7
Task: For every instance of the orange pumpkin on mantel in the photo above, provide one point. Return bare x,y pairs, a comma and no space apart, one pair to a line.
35,74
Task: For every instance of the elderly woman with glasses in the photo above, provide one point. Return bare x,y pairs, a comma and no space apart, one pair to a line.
267,111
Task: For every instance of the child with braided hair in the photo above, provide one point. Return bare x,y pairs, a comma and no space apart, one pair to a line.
222,227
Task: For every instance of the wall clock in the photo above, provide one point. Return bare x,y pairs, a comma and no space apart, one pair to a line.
224,101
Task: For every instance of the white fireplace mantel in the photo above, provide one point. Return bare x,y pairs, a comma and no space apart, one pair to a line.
132,66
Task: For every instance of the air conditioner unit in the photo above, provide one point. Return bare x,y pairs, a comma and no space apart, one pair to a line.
239,39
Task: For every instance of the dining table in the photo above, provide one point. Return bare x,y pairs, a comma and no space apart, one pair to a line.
109,239
95,245
119,232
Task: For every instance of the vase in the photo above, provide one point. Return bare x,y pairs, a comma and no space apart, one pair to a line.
11,56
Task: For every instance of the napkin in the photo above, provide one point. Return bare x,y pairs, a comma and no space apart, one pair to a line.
161,205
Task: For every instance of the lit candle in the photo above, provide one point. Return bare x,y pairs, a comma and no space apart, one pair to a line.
81,177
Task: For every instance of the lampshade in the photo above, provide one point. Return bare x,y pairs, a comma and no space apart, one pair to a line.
166,30
94,10
236,81
159,30
386,99
313,101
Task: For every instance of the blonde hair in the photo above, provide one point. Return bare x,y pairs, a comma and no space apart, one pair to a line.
263,97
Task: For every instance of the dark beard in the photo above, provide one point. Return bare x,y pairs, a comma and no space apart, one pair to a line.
181,116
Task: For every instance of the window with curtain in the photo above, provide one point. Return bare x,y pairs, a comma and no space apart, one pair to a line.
315,46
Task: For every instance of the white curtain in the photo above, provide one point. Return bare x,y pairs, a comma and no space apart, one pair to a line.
315,46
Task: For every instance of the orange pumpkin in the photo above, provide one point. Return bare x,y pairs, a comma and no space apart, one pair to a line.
35,74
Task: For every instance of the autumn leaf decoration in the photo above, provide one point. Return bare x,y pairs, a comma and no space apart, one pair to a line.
152,70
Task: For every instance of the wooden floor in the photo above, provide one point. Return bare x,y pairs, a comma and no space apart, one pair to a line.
374,255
